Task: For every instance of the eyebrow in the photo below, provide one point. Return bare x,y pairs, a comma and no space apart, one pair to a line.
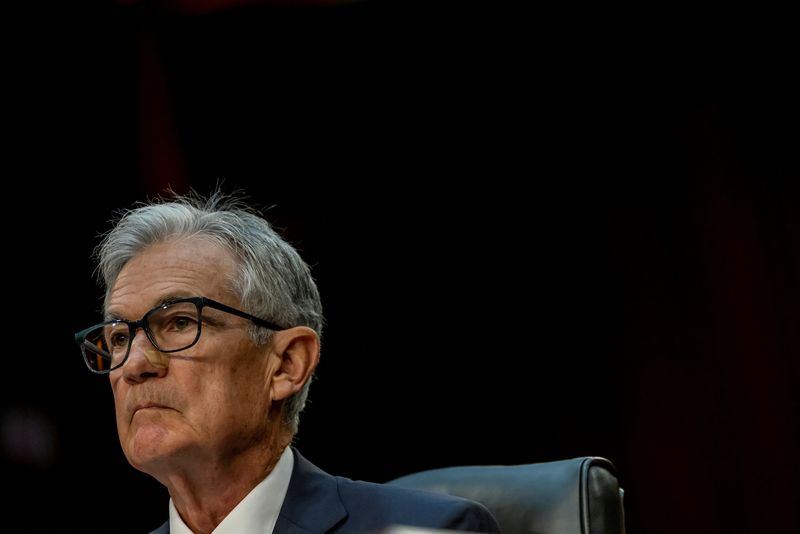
165,299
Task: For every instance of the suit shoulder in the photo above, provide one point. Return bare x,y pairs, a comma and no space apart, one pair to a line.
163,529
412,507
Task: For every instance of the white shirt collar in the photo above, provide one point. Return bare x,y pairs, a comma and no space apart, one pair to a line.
258,512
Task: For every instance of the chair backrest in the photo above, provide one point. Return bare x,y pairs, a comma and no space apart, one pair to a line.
577,496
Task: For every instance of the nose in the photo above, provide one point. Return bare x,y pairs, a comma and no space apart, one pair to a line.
144,361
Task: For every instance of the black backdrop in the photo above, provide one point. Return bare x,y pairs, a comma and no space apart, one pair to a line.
537,235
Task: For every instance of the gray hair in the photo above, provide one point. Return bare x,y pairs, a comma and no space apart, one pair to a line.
272,281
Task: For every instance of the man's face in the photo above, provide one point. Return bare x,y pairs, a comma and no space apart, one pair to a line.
203,405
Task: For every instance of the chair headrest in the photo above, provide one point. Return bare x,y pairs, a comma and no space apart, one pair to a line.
580,495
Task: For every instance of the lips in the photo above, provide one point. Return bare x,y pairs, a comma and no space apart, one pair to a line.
148,406
149,398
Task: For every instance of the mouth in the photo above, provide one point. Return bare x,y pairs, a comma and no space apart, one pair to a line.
148,406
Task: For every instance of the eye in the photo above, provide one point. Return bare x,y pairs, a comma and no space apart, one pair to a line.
182,323
118,339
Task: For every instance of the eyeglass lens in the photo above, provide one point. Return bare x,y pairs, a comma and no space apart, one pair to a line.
170,328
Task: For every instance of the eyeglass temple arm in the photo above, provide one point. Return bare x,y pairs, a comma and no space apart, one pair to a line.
244,315
94,348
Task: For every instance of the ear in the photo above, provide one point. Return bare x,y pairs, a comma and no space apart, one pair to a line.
297,350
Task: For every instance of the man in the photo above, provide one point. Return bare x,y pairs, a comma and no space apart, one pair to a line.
211,336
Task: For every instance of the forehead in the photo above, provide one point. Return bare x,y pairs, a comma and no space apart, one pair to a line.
180,267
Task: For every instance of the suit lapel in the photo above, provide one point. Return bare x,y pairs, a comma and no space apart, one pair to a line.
312,503
163,529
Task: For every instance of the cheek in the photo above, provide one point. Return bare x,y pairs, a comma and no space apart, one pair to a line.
247,397
227,397
250,377
247,394
119,390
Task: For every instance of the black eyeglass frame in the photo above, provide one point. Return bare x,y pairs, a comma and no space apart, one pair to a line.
134,326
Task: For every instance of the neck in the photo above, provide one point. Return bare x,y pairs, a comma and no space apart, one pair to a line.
206,494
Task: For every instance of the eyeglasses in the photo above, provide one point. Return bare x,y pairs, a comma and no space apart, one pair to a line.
170,327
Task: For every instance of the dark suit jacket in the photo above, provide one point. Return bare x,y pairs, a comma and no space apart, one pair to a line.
318,503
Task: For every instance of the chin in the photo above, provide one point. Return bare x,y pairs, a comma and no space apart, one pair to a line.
147,446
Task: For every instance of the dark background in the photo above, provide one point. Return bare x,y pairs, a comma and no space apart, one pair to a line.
538,234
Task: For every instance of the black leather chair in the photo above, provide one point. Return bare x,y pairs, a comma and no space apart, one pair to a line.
577,496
